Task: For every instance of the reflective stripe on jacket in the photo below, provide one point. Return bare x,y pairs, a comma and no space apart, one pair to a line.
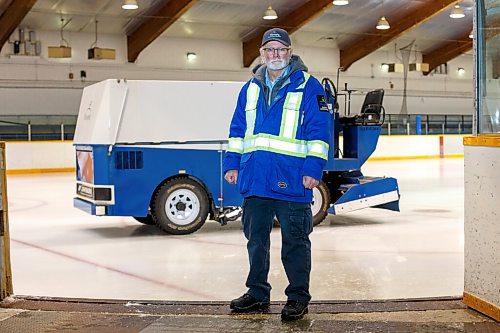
274,147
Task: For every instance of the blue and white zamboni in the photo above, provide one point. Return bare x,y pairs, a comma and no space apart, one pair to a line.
152,150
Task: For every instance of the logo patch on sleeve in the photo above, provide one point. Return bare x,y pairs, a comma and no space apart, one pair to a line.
322,105
282,185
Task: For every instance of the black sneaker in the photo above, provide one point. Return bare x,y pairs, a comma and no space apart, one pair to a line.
293,310
247,303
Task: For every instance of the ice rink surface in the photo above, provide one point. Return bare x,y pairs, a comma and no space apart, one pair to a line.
58,250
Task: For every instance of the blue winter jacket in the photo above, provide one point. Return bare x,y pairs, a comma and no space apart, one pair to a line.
274,146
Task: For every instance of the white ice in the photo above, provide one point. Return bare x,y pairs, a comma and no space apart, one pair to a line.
60,251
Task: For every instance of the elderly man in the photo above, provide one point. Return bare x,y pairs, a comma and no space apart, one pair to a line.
277,150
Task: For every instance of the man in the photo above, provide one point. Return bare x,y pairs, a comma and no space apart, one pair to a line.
277,150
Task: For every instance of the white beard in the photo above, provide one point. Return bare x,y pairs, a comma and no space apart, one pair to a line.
278,64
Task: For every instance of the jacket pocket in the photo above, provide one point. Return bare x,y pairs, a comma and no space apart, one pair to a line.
244,176
286,176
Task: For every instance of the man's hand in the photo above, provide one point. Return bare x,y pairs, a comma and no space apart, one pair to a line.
309,182
231,176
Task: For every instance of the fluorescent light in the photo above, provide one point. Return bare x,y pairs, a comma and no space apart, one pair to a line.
457,12
383,24
340,2
270,14
130,4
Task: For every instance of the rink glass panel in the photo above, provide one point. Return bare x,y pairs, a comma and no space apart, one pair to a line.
488,66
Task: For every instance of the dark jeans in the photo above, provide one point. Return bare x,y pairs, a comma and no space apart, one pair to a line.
296,224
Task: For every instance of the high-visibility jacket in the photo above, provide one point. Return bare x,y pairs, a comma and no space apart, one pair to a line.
274,146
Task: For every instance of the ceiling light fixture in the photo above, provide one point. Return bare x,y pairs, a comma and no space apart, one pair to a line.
191,56
457,12
460,71
270,14
340,2
392,67
63,50
98,53
383,24
130,4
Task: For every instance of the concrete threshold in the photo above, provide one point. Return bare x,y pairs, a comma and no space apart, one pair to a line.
43,314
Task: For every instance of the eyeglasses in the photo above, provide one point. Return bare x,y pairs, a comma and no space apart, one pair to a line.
280,50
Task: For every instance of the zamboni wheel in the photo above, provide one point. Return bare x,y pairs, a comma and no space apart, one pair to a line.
320,203
180,206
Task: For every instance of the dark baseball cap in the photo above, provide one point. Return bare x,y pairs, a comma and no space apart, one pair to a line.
278,35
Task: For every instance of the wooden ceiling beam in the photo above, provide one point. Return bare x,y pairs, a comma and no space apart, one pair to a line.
447,52
155,25
12,17
375,39
291,23
452,49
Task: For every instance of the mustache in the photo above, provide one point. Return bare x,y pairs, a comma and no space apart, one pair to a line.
277,64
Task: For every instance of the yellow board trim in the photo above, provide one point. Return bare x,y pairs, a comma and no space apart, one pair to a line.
371,159
482,140
482,305
37,141
30,171
418,157
420,135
